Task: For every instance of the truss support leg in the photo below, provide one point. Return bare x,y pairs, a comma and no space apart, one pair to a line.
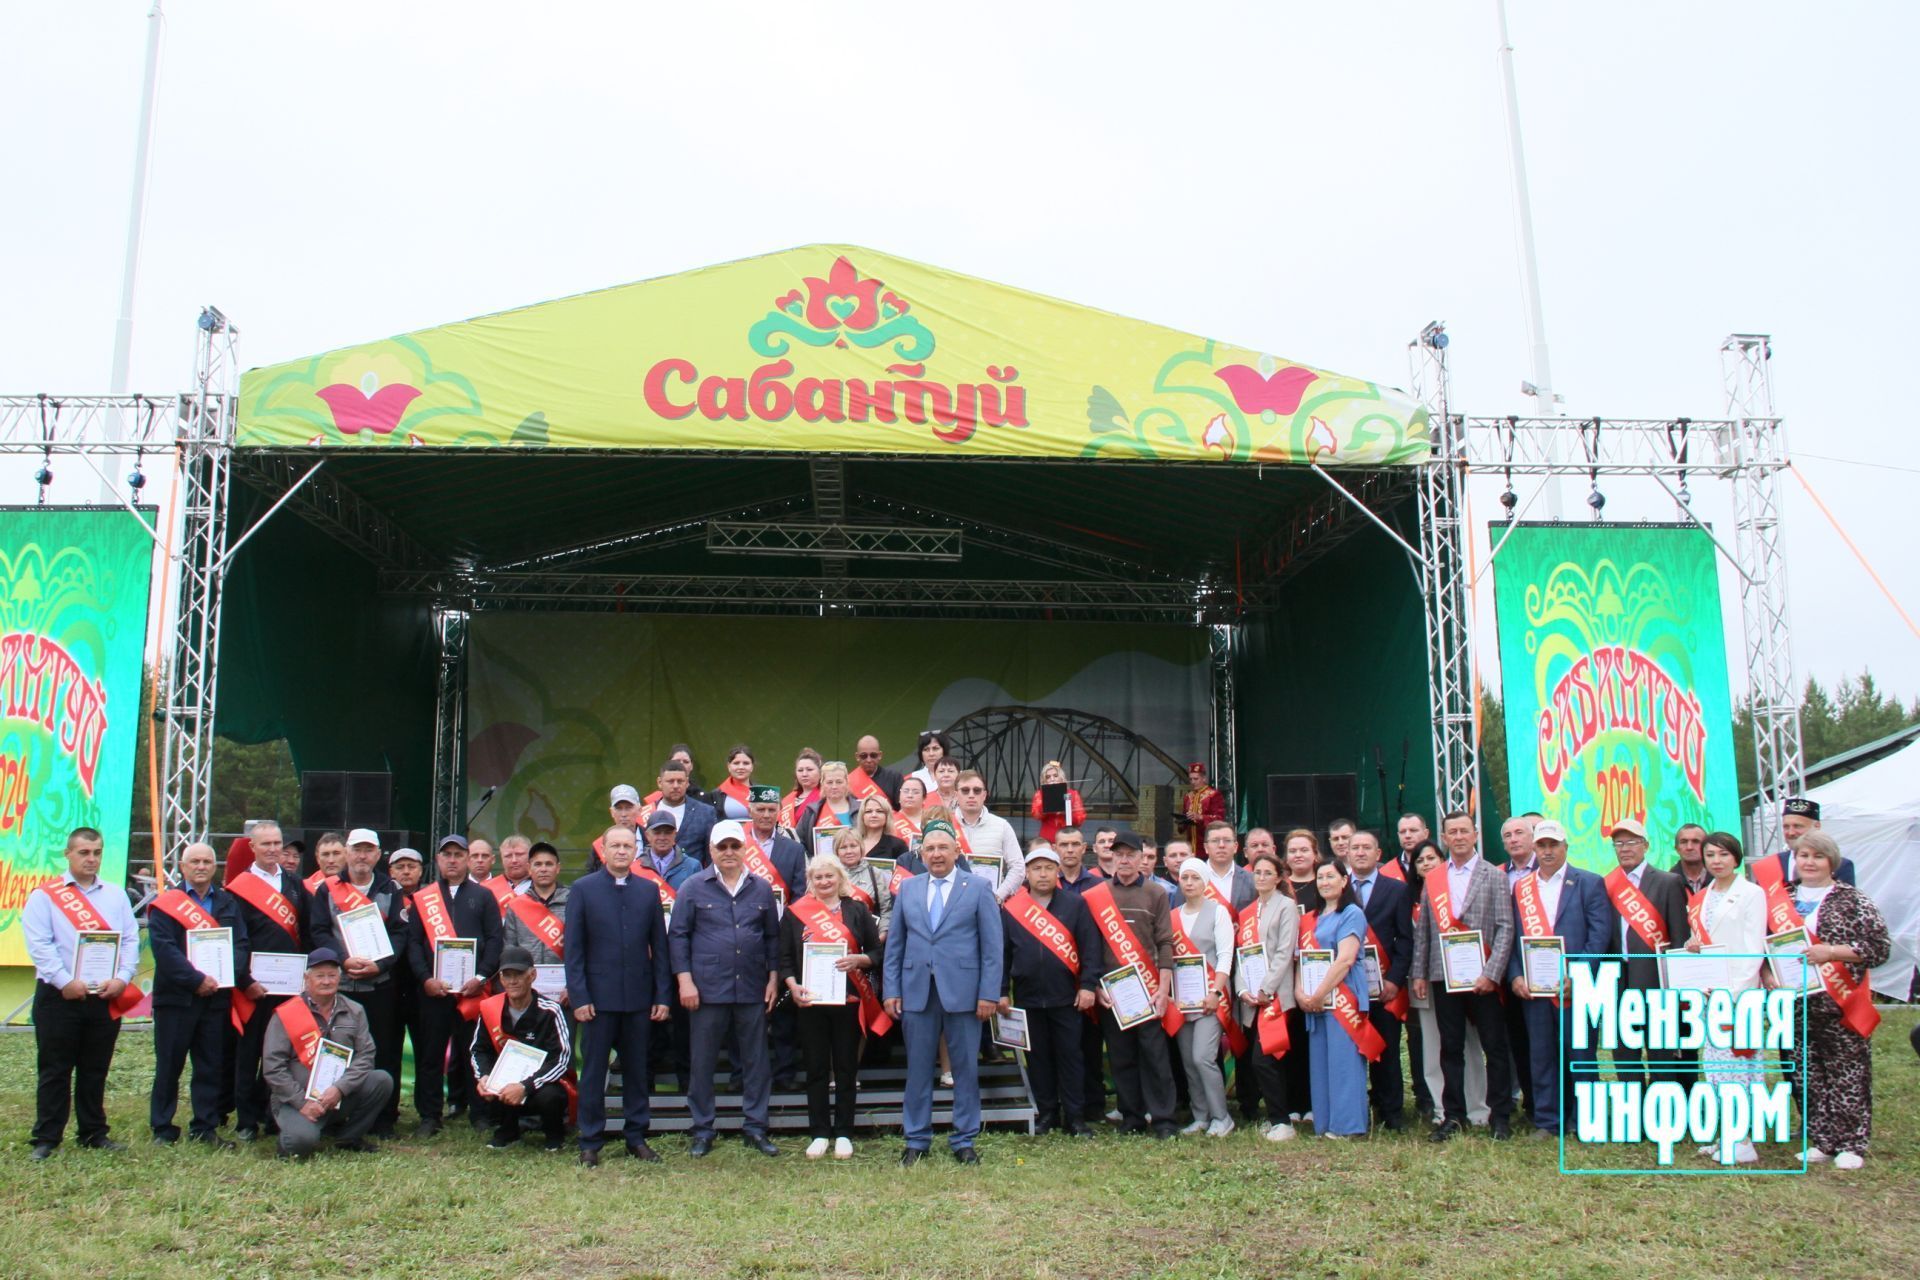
1222,642
449,726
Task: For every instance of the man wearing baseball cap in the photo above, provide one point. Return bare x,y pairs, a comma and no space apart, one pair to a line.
518,1013
1650,914
1051,945
454,907
348,1108
1554,900
370,982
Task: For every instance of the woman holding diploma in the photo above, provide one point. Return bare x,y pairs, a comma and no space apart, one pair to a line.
1846,936
1335,1040
829,917
1263,985
1730,915
1202,928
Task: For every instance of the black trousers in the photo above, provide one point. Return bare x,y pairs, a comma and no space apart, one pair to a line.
438,1074
549,1102
1142,1072
668,1045
1451,1012
783,1039
406,1022
1093,1074
196,1030
383,1024
1296,1064
1270,1073
1054,1068
1385,1087
1246,1084
1417,1055
75,1040
249,1087
830,1043
1518,1049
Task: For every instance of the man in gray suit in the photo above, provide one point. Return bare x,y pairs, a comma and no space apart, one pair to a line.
943,980
1472,895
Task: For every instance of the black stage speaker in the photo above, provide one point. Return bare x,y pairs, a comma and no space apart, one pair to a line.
333,800
1309,800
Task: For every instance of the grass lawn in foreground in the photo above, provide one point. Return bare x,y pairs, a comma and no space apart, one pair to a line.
1054,1207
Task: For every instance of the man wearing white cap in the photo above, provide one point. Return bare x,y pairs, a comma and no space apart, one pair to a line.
1559,901
1650,914
369,981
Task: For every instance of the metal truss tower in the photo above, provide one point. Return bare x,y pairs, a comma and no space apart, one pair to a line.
450,724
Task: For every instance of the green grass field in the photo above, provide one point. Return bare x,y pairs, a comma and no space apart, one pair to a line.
1052,1207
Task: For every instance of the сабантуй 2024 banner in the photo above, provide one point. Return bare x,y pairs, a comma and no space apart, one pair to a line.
1613,665
73,625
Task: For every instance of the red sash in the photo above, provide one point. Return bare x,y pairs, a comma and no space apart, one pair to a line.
821,925
1272,1020
1443,917
1347,1014
546,926
181,906
1399,1005
1636,910
667,893
501,888
1039,922
1120,936
734,788
1308,919
900,876
300,1027
863,897
345,896
1531,908
1697,917
1390,868
861,786
252,890
81,915
1855,1001
492,1016
792,803
312,882
438,923
761,865
1174,1018
906,828
1226,903
1767,873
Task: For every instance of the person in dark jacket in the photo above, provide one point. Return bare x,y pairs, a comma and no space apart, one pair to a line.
1044,924
273,905
370,983
1388,904
830,1033
191,1009
452,907
517,1013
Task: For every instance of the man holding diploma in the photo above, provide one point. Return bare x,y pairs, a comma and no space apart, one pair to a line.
1048,959
348,1107
191,1007
455,907
1466,893
76,1020
273,904
519,1016
1135,923
369,981
1554,900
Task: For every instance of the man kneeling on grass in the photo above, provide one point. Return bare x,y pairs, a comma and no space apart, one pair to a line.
521,1053
316,1033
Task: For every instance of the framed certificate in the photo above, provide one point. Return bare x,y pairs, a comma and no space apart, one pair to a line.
1463,959
550,979
1376,979
1787,953
1252,960
1190,984
989,866
96,958
330,1062
1544,961
1132,1005
820,971
282,973
456,961
1315,963
517,1063
364,933
211,952
1010,1029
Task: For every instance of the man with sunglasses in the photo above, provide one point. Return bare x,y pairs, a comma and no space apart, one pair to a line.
867,754
983,832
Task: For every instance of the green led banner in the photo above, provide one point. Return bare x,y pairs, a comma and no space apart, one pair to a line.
73,629
1613,664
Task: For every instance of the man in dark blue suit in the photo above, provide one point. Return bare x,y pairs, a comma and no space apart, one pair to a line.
617,982
943,979
725,944
1388,904
190,1009
1572,904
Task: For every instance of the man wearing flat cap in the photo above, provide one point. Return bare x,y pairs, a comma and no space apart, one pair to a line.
1135,923
303,1031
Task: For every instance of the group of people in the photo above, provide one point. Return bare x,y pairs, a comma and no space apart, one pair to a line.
803,932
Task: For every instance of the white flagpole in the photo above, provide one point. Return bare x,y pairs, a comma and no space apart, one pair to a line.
136,216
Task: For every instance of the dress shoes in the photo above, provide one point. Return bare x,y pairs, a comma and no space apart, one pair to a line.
641,1151
701,1146
248,1133
165,1139
1445,1131
1080,1129
41,1151
965,1155
213,1140
760,1142
911,1157
429,1126
359,1146
104,1144
590,1157
1502,1131
1394,1124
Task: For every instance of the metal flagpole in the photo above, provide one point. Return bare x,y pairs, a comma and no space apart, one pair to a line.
136,216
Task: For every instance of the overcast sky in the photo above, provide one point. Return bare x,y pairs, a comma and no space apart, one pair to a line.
1317,182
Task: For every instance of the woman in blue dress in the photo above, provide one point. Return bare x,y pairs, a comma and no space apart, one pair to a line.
1339,1073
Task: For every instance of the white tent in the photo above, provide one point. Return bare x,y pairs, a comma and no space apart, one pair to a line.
1874,813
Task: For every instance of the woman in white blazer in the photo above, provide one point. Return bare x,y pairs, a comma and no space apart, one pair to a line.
1279,931
1730,914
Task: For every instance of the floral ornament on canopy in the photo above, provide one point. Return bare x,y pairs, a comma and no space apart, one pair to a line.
390,395
840,310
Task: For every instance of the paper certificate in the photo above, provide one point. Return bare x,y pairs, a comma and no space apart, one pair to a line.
1376,980
884,866
1544,961
1462,958
1190,983
456,961
820,972
517,1063
1703,970
1253,967
330,1062
1315,964
1786,952
823,841
1010,1029
1128,992
364,933
550,979
211,952
96,958
988,867
282,973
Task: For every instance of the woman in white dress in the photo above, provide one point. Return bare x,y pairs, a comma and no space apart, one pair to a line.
1730,914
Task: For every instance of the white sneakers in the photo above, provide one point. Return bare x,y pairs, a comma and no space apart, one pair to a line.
1198,1126
1743,1152
816,1148
1280,1133
1816,1156
843,1148
1848,1160
1220,1128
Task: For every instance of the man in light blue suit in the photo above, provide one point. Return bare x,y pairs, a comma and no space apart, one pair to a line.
943,980
1576,905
